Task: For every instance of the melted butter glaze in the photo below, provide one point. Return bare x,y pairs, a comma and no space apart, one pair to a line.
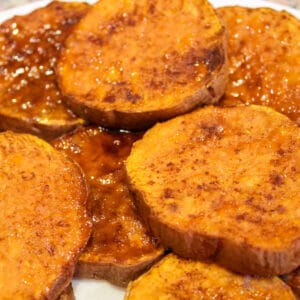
264,64
29,48
118,235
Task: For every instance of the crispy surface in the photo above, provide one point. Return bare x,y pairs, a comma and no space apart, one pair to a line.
264,59
176,278
223,182
120,247
43,218
293,280
124,66
29,47
67,294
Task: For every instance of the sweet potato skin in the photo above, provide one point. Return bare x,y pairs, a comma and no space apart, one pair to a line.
177,278
67,294
144,84
45,234
235,207
30,45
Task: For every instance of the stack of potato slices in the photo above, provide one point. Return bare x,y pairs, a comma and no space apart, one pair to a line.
212,178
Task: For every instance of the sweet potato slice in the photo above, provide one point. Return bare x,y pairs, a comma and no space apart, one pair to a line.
30,100
176,278
223,182
120,247
43,218
263,53
131,63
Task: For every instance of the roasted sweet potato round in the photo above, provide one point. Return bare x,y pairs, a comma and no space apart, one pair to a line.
263,54
131,63
120,247
30,100
43,218
223,182
175,278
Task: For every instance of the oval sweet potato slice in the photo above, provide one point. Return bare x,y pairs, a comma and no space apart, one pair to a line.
177,278
30,100
120,247
223,182
263,53
131,63
43,218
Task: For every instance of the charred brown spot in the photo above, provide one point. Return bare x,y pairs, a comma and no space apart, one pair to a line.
269,197
109,99
241,217
173,207
280,209
27,176
276,179
168,193
130,96
97,40
151,9
213,58
211,130
249,201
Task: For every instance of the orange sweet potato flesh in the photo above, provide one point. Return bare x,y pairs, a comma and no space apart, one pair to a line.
43,218
30,100
177,278
120,247
223,182
263,54
131,63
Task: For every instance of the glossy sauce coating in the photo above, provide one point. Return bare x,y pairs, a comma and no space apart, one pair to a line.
135,57
118,235
29,48
264,59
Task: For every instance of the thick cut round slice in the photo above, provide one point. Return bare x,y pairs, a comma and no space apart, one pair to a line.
131,63
264,59
120,247
43,218
30,100
223,182
176,278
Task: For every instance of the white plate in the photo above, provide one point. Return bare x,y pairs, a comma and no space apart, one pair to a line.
100,289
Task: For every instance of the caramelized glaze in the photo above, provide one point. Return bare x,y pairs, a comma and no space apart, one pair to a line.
29,48
135,57
264,59
118,235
